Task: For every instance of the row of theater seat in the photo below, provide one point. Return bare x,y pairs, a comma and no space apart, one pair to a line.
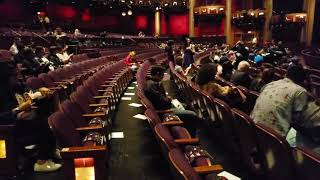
260,149
83,124
175,140
74,80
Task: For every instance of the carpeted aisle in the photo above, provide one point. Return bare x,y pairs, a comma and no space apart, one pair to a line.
137,155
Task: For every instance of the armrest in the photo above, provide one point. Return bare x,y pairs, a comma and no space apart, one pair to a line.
97,105
59,82
187,141
105,90
208,169
107,85
100,97
55,88
87,128
85,151
172,123
94,115
165,111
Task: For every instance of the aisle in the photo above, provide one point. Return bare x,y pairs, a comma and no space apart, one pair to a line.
134,153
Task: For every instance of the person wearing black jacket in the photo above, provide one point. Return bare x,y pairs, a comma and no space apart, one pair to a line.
17,109
155,92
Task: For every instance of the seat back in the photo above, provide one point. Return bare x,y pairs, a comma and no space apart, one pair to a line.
165,138
64,130
307,164
245,134
34,83
180,166
277,159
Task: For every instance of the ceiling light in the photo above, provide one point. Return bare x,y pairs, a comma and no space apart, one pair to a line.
123,14
175,3
129,12
166,4
157,8
140,2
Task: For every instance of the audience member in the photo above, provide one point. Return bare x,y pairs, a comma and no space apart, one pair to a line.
63,55
206,80
15,109
14,49
156,93
178,67
40,57
241,76
305,131
54,58
266,77
280,102
188,57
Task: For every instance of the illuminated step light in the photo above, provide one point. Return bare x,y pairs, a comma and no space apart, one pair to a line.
3,152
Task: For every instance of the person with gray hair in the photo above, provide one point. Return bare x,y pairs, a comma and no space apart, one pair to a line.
241,76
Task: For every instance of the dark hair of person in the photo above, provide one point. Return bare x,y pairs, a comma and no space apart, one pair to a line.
152,60
205,60
39,50
179,60
267,75
156,70
296,73
206,74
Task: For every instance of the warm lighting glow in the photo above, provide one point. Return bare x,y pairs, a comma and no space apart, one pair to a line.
252,14
166,4
249,32
38,13
129,12
261,13
221,9
123,14
85,173
3,152
175,3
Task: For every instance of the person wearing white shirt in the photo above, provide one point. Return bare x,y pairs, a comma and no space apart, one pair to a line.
13,49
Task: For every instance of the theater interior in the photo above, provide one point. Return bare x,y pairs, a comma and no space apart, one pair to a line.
159,89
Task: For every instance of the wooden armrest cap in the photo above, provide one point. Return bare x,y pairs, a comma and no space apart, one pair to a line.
187,141
172,123
208,169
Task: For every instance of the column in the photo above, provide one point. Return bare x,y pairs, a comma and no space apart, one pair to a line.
267,34
157,23
191,18
227,31
307,30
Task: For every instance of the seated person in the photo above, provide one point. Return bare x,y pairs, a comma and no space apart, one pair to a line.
206,80
57,62
63,55
155,92
58,33
40,57
128,60
17,109
178,67
241,76
305,131
280,102
265,78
